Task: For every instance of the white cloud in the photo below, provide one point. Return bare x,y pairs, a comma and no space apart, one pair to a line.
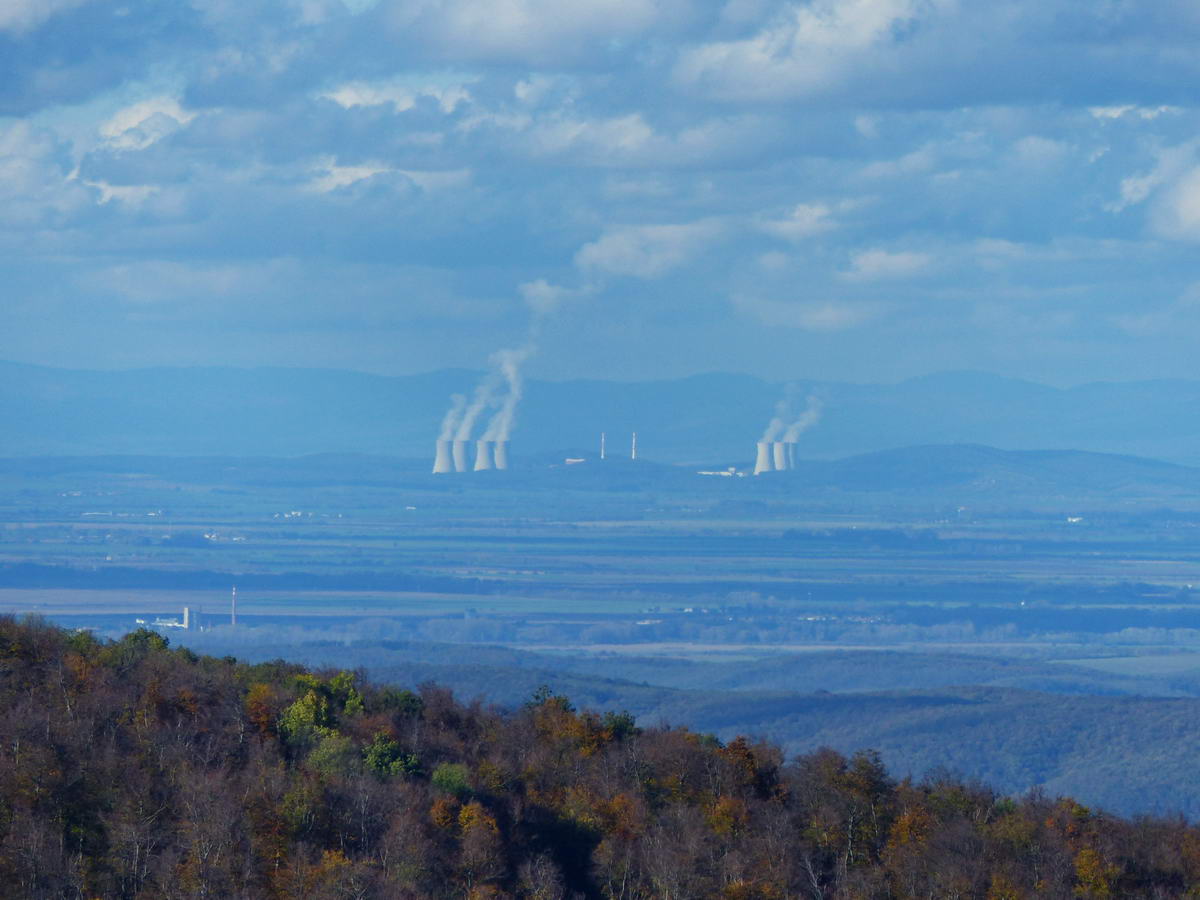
1036,150
528,30
1130,111
804,221
544,298
437,179
141,124
1177,208
127,194
1172,191
808,49
331,176
914,162
873,265
1170,164
401,94
826,316
628,140
646,251
35,188
23,15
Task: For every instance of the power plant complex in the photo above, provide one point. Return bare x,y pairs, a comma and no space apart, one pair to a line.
454,456
775,450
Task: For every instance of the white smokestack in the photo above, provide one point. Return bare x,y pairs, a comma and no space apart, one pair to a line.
443,462
501,454
779,456
762,462
459,451
483,456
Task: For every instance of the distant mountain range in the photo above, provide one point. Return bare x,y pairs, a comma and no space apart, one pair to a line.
705,419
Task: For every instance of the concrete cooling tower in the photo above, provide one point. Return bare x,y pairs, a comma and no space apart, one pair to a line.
483,456
501,451
460,456
443,462
762,462
779,456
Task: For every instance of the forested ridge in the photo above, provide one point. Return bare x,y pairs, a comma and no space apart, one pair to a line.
133,769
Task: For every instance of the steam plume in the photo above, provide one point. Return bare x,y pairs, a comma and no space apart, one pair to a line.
778,422
786,424
808,418
458,403
509,363
543,299
483,397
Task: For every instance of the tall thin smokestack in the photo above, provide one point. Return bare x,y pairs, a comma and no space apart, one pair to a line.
633,447
779,456
501,454
602,445
459,453
483,456
762,462
443,462
233,608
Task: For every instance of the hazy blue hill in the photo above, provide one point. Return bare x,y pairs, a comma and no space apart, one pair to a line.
1123,753
926,474
989,470
706,418
860,670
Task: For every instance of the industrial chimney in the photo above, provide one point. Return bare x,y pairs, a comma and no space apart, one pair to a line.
501,448
443,463
483,456
762,462
779,456
460,455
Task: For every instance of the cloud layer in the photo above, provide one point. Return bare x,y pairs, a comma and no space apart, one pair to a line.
841,188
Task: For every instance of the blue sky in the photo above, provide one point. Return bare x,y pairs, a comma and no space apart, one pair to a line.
843,189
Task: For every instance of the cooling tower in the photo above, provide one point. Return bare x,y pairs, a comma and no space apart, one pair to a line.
483,456
779,456
791,454
460,456
501,449
762,462
442,463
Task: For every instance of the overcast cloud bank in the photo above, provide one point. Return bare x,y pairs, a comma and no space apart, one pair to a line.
855,189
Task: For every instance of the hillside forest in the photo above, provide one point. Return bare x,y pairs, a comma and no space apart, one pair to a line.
129,768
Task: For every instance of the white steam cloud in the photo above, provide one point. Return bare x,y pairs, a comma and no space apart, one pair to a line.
788,423
807,419
501,389
509,362
484,396
458,403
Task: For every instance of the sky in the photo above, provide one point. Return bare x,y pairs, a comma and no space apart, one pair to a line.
863,190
